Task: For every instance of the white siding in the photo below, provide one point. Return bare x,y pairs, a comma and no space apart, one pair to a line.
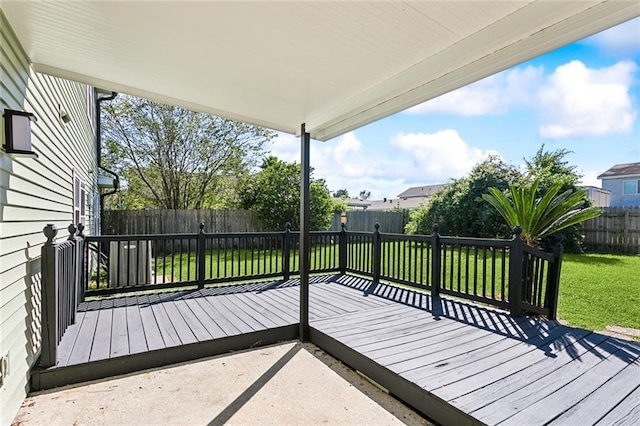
34,192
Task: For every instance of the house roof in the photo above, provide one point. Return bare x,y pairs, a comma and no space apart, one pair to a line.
354,202
334,66
620,170
396,203
422,191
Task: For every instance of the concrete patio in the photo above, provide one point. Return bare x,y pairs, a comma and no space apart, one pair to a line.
288,383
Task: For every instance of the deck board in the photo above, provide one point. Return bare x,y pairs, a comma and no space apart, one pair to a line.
457,361
119,332
212,327
167,330
135,329
625,413
245,321
483,361
597,404
81,349
225,324
495,384
101,344
152,334
69,338
554,404
530,392
197,328
184,331
255,312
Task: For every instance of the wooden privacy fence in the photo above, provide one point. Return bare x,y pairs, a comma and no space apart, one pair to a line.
503,273
365,220
616,230
62,288
148,222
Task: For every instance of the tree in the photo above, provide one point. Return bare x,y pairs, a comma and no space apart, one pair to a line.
364,194
540,216
551,168
458,208
341,193
174,158
274,194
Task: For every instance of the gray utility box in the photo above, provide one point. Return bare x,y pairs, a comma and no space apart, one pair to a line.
129,263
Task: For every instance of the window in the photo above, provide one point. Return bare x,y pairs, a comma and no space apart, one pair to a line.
79,200
631,187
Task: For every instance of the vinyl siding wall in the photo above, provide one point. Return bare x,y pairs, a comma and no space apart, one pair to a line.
33,193
618,197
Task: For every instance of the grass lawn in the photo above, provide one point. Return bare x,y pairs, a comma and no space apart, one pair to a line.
597,290
240,262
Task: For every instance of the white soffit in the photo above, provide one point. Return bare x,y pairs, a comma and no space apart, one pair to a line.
335,66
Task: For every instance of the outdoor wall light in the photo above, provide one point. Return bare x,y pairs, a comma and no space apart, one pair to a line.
17,132
66,118
343,218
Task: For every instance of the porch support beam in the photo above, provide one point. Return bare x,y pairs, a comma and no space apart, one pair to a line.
305,240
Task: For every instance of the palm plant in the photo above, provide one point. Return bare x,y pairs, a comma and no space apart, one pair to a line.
540,216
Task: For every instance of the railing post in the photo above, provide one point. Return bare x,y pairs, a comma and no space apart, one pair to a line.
75,266
515,273
49,296
201,256
553,285
342,249
286,253
376,258
81,264
436,262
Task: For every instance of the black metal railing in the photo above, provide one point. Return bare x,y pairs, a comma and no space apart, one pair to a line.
141,262
476,269
503,273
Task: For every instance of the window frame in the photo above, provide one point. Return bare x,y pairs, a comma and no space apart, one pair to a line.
79,201
636,186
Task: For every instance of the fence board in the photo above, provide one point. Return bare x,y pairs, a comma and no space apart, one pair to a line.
364,221
145,222
616,230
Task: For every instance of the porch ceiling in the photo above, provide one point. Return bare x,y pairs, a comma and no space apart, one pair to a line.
332,65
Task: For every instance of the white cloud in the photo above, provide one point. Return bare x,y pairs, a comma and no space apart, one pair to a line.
590,178
441,155
286,147
573,101
620,41
492,95
579,101
408,160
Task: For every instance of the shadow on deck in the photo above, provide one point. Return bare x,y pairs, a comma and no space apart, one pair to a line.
457,362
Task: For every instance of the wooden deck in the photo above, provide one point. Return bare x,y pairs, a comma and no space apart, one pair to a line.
457,362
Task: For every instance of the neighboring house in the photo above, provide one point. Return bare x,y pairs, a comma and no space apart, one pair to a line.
623,180
600,197
59,187
410,199
396,203
355,203
423,192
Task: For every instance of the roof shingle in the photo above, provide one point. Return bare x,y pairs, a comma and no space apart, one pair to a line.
621,170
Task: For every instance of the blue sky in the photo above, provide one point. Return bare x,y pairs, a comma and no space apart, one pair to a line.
584,97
